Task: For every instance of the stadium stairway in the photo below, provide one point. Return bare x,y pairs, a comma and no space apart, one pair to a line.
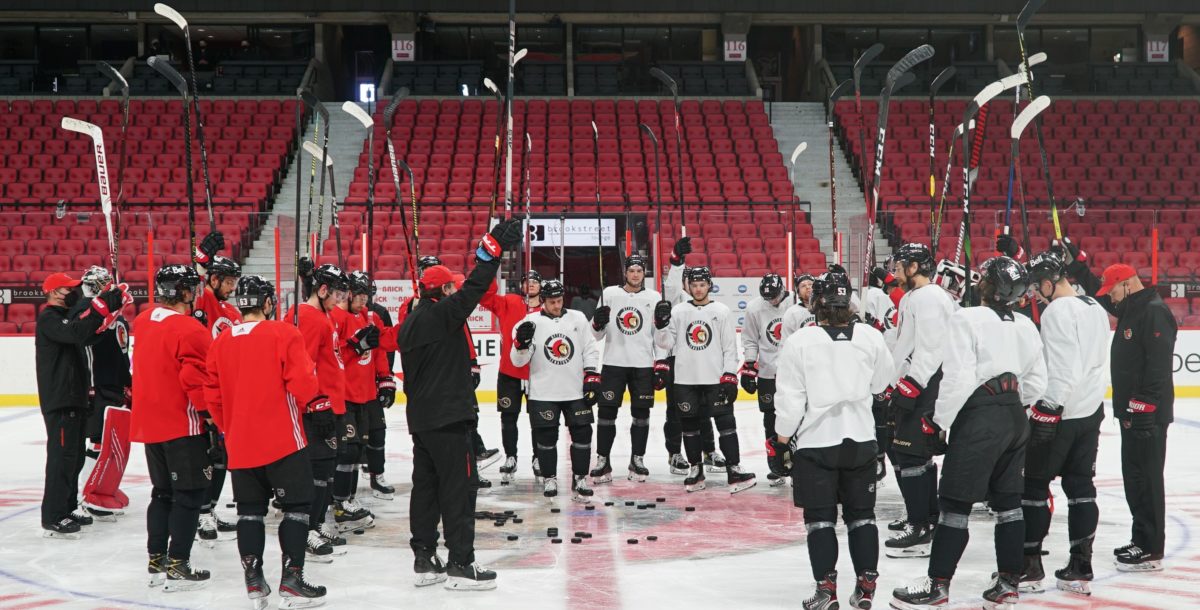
796,122
345,142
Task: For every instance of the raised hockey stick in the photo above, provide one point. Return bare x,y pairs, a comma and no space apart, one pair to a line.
388,116
514,57
122,148
315,152
838,92
312,102
97,135
368,123
866,58
791,248
599,221
296,280
671,85
658,220
1028,115
941,79
528,197
1023,18
935,228
414,252
500,107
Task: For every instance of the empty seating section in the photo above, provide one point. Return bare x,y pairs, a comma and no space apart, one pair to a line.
597,78
708,78
969,77
1140,79
248,142
542,78
438,77
229,78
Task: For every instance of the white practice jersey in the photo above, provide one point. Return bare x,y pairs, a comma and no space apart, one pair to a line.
1075,342
561,350
704,341
827,381
981,344
672,286
878,306
796,317
924,315
629,335
762,334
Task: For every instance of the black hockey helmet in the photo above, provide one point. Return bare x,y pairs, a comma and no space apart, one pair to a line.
252,292
916,253
95,279
1006,278
636,260
833,290
836,268
426,262
171,280
770,287
330,275
223,266
697,274
360,283
532,274
552,288
803,277
1046,265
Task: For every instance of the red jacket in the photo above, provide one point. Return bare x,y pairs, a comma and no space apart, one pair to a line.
259,379
510,309
221,314
321,341
168,376
362,372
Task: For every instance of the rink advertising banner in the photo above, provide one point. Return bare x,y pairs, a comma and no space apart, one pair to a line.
391,293
544,232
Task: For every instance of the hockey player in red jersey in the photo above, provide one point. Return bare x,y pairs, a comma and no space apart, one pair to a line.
369,379
168,389
259,376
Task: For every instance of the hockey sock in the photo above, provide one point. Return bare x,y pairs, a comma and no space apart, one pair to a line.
691,439
546,442
606,430
157,518
345,479
822,541
508,433
374,451
708,435
864,544
213,494
251,532
639,431
184,519
769,424
951,538
727,426
581,449
1010,533
293,533
914,488
1082,513
322,475
931,490
672,430
1035,505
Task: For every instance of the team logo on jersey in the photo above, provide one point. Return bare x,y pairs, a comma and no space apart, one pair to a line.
350,431
699,335
365,359
559,349
775,331
629,320
547,415
505,402
1128,334
220,325
766,398
121,329
609,395
336,354
685,407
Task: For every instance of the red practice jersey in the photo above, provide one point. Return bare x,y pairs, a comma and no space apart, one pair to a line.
168,376
510,309
322,341
260,376
220,314
362,371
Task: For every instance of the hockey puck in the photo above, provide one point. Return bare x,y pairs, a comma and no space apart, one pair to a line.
587,535
632,541
556,541
556,510
518,520
576,540
589,507
552,530
581,534
609,503
512,537
641,507
651,505
359,532
499,523
513,512
690,509
651,538
630,503
230,505
660,499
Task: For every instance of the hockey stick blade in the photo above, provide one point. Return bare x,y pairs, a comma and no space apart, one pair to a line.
941,79
114,76
83,127
905,80
867,57
315,152
595,132
487,82
519,55
169,72
358,113
665,79
1035,59
171,14
404,166
842,89
1028,114
649,132
1026,15
97,135
910,61
796,153
310,100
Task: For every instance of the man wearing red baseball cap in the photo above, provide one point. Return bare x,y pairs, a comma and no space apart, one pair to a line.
1143,348
63,380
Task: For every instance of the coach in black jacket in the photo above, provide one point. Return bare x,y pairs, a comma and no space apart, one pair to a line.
441,414
63,380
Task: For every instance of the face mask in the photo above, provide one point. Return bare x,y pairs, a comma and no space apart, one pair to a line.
72,298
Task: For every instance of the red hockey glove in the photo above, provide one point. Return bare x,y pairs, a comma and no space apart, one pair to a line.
662,371
729,388
1043,422
749,374
906,394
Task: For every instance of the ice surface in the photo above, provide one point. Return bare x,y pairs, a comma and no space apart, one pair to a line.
745,550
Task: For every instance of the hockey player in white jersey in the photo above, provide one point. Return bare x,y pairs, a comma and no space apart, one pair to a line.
827,377
629,356
799,315
563,359
762,336
1065,424
703,336
993,367
924,313
878,310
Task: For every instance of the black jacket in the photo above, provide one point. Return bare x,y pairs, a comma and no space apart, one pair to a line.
62,369
108,354
435,358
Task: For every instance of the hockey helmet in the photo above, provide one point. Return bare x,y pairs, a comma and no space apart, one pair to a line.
834,290
532,274
223,266
330,275
915,253
771,286
94,280
171,280
426,262
1046,265
636,260
360,283
697,274
552,288
803,277
1006,278
252,292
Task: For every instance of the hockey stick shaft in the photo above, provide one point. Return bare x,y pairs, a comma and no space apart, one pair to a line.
599,217
102,182
658,209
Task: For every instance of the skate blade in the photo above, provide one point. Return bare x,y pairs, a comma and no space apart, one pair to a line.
259,603
714,469
379,495
582,499
156,580
920,550
1008,605
860,604
288,602
111,517
1033,586
486,462
361,524
314,558
604,478
175,586
743,486
780,482
428,578
679,471
1077,587
466,584
1145,566
60,535
696,487
640,478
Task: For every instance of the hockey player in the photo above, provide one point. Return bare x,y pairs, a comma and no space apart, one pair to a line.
169,373
259,375
373,453
1065,424
108,423
993,367
628,363
924,313
799,316
762,336
563,359
368,376
510,310
703,337
827,377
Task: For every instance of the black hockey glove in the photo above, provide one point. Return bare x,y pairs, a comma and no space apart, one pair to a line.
662,314
1076,259
524,337
209,247
386,391
683,247
1043,422
503,237
323,422
200,317
365,339
778,456
729,388
935,434
216,445
749,374
476,374
1141,418
880,278
906,394
1006,245
601,317
306,266
662,370
591,387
